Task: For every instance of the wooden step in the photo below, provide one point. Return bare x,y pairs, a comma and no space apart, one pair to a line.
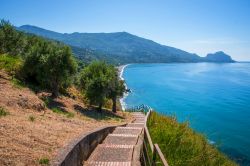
112,153
135,128
135,125
101,163
120,140
127,130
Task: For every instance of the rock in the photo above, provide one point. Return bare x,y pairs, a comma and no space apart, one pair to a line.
218,57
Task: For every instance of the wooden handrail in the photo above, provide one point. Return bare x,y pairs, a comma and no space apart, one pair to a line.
149,139
147,157
154,147
147,133
158,151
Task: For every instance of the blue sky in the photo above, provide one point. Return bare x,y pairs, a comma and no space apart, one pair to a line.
197,26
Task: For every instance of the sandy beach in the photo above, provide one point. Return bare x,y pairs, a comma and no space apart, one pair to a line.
121,70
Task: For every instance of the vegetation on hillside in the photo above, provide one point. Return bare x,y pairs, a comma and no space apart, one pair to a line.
181,145
3,112
50,65
100,81
121,48
11,64
47,64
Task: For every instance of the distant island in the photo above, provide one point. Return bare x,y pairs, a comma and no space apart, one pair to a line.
123,48
218,57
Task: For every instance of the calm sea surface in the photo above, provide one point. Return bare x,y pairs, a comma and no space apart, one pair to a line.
214,98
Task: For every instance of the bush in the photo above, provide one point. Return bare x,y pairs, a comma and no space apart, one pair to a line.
3,112
31,118
181,145
100,82
11,41
44,161
60,111
48,64
11,64
17,83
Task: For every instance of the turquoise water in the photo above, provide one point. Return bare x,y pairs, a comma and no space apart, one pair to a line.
215,98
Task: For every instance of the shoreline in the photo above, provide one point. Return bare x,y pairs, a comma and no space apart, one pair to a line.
121,100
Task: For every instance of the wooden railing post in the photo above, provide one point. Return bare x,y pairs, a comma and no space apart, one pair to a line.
154,157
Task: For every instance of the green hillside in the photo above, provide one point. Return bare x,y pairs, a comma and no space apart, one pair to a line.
120,47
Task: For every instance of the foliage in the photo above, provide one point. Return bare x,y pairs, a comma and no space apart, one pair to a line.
32,118
60,111
11,41
17,83
116,88
44,161
94,81
48,64
3,112
181,145
47,101
11,64
100,81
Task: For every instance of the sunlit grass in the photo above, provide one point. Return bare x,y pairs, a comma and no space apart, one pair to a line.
60,111
181,145
10,64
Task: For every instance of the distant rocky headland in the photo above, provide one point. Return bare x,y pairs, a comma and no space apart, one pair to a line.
122,48
218,57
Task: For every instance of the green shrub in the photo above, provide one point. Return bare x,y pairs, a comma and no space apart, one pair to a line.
50,65
3,112
44,161
35,60
99,81
47,101
11,64
181,145
17,83
32,118
70,115
60,111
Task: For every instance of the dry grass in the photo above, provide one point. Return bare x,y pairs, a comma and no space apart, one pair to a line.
32,134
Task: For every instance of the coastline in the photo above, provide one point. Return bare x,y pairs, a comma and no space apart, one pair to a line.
121,100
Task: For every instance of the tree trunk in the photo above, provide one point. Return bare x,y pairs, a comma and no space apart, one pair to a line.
114,104
100,107
55,91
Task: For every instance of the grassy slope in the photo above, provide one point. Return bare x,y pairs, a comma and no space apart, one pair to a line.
181,145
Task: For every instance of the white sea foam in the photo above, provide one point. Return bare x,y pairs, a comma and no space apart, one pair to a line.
121,70
211,142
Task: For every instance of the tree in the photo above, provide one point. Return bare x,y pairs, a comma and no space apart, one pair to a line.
116,88
11,41
59,69
50,65
95,79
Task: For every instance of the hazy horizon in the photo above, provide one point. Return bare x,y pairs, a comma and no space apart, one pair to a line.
195,26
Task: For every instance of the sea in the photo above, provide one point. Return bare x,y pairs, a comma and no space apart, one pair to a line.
213,97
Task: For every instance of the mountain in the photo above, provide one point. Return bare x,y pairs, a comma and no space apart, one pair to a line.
117,48
218,57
